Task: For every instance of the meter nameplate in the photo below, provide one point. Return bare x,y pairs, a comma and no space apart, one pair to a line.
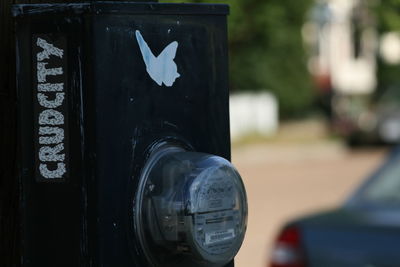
216,231
218,193
218,236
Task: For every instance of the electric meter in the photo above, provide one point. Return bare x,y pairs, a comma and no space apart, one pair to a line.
190,209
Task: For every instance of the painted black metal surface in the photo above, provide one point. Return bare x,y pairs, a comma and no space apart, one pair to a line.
117,106
53,212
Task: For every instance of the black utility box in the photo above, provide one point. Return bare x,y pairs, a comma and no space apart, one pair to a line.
98,84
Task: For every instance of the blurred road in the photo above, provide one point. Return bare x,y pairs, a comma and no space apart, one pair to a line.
294,176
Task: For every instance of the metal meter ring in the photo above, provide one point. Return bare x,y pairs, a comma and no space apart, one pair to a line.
190,208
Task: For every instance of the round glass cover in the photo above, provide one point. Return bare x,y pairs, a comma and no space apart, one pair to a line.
190,209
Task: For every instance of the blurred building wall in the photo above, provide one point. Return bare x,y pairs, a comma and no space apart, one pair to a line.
253,113
344,38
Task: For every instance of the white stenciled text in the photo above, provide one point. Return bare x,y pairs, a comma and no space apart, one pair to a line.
50,98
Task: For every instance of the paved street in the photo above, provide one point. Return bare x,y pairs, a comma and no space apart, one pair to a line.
285,179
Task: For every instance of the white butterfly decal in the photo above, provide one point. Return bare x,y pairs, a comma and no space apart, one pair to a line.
162,69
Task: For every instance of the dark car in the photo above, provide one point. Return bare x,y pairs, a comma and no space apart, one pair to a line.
368,120
363,232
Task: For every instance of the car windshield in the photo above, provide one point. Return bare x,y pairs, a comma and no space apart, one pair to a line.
384,187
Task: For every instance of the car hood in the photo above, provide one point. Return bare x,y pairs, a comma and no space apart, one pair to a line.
352,237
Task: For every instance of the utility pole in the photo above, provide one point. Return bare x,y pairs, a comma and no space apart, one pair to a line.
9,197
9,189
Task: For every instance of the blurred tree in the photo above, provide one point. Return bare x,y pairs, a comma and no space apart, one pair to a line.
388,20
388,15
266,50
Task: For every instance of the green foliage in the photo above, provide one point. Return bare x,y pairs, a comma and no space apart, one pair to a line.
266,50
388,20
388,15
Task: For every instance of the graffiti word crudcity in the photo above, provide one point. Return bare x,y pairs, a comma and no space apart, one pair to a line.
50,110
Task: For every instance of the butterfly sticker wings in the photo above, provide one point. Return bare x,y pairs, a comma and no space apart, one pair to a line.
162,69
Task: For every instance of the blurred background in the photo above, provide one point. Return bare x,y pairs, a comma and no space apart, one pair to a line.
315,105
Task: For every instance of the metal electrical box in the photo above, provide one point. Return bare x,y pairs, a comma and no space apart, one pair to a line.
103,87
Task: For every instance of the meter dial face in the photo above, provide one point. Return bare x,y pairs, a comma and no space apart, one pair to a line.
190,209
